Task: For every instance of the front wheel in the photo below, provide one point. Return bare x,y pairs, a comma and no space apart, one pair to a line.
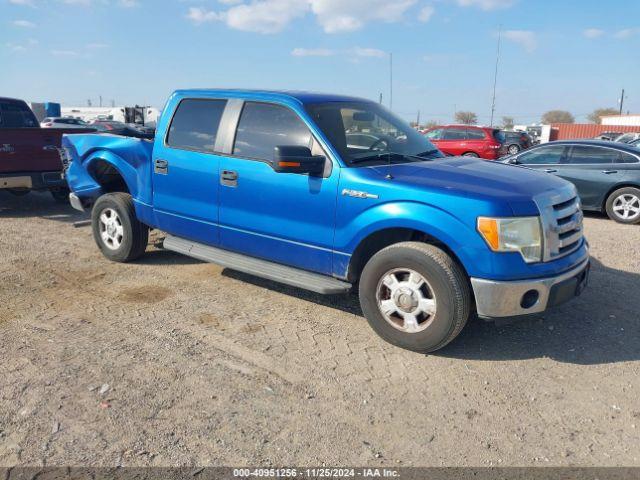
471,154
415,296
116,229
623,205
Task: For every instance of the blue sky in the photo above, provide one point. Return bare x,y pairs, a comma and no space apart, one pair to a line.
573,54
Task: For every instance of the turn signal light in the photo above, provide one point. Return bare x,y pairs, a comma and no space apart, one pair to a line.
488,227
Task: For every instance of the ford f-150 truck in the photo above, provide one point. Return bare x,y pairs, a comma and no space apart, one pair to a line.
29,158
325,192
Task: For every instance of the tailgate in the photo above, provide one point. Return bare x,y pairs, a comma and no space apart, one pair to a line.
30,149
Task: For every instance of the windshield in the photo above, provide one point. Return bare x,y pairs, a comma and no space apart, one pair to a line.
365,133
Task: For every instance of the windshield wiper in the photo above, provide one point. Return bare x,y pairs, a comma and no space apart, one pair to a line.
428,155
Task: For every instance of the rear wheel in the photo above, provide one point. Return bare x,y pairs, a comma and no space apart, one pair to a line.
471,154
623,205
415,296
116,229
513,149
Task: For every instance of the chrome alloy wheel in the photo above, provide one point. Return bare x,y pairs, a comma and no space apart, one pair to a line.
627,206
111,230
406,300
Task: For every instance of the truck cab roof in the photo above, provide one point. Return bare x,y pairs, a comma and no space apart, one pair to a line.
302,97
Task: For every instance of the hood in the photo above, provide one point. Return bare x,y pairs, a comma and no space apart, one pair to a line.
469,177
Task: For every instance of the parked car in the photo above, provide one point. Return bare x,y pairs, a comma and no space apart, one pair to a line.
267,183
627,137
608,136
124,129
515,142
606,174
29,155
468,141
63,122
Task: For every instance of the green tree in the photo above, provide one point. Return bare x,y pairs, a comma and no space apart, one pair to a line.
466,118
594,117
508,123
557,116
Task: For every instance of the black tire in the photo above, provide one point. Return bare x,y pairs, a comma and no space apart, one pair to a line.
60,195
513,149
445,277
471,154
611,204
135,234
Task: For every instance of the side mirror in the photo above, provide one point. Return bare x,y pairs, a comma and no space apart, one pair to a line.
295,159
513,161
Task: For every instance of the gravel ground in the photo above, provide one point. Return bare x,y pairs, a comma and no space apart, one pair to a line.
169,361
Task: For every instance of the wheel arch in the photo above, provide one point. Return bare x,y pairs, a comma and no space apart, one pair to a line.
384,237
605,199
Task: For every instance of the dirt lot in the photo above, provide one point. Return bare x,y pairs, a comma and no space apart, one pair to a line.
169,361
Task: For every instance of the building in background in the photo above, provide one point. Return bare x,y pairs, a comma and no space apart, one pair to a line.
628,120
139,115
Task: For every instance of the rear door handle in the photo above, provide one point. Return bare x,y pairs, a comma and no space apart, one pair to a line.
609,172
229,178
550,170
161,167
50,148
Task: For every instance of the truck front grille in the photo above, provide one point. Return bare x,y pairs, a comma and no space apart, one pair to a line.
561,217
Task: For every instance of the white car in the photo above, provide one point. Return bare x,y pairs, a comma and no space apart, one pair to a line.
628,137
63,122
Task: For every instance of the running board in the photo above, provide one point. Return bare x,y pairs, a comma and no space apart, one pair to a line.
260,268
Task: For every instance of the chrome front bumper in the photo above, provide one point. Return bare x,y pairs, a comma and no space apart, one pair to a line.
510,299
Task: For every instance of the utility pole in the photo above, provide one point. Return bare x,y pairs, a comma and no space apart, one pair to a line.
495,76
621,101
380,98
418,119
100,101
391,81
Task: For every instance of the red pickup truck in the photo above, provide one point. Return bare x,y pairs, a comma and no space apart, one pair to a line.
29,156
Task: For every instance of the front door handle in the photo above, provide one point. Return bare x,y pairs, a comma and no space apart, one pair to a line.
161,167
609,172
550,170
229,178
50,148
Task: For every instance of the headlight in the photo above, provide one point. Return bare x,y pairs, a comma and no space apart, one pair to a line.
520,234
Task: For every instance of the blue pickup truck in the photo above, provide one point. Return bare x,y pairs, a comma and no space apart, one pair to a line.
326,192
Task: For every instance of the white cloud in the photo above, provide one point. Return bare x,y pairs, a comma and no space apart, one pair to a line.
593,32
28,3
627,33
16,48
96,46
426,13
201,15
312,52
128,3
64,53
272,16
344,16
357,52
368,52
24,23
525,38
265,16
486,4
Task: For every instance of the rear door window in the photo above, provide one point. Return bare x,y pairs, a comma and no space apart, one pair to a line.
264,126
587,155
454,134
551,155
195,125
627,158
475,134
